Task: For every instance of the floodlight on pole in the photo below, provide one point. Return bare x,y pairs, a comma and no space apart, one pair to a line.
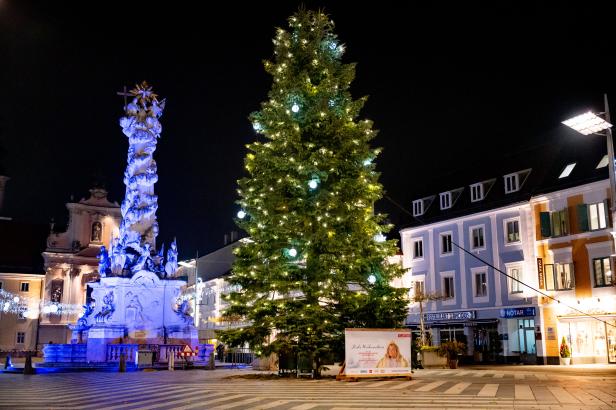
587,123
590,123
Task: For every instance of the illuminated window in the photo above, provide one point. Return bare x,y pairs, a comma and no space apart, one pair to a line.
512,231
597,216
559,276
515,275
603,163
602,272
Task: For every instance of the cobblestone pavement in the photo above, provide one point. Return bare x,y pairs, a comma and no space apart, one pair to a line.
532,388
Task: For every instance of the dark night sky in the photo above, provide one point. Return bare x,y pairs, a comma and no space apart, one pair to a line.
449,85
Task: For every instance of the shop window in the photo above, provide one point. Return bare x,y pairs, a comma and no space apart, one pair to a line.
559,276
453,333
602,272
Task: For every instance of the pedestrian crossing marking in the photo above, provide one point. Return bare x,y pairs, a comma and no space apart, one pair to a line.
199,404
431,386
272,404
523,392
304,406
404,385
457,388
237,404
489,390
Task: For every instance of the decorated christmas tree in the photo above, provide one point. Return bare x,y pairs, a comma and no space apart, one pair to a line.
316,261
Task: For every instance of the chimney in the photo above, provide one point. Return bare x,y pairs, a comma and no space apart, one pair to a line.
3,181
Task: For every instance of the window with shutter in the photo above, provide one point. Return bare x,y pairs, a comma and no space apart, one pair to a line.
546,226
582,217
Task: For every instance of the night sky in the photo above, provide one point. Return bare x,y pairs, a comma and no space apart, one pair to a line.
449,84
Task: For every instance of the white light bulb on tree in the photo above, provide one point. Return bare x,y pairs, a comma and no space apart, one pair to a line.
372,279
293,252
295,108
379,238
16,299
241,214
53,308
313,184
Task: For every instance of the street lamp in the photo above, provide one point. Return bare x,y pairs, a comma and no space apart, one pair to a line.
590,123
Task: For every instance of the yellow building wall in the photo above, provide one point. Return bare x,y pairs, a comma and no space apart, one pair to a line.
10,324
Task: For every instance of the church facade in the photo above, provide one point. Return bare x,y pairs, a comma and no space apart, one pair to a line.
70,261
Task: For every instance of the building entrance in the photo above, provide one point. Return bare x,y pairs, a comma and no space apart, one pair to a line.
526,337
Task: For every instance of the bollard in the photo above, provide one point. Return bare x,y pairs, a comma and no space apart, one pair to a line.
122,368
211,364
171,362
28,369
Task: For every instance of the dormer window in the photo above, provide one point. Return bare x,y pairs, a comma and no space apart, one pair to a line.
418,207
476,192
480,190
445,200
514,181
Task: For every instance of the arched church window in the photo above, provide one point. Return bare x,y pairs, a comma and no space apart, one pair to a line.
97,232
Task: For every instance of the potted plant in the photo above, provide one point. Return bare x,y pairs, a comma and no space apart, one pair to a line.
451,350
431,358
478,353
565,352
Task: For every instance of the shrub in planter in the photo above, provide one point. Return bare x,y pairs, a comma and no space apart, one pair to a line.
452,350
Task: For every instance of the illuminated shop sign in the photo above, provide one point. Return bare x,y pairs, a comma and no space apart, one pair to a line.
432,317
517,312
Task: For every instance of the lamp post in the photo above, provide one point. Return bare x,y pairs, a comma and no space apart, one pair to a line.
590,123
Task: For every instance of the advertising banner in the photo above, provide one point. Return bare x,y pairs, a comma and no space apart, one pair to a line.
377,352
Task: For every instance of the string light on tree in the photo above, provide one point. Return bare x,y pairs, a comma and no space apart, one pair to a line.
295,108
313,183
292,252
372,279
241,214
